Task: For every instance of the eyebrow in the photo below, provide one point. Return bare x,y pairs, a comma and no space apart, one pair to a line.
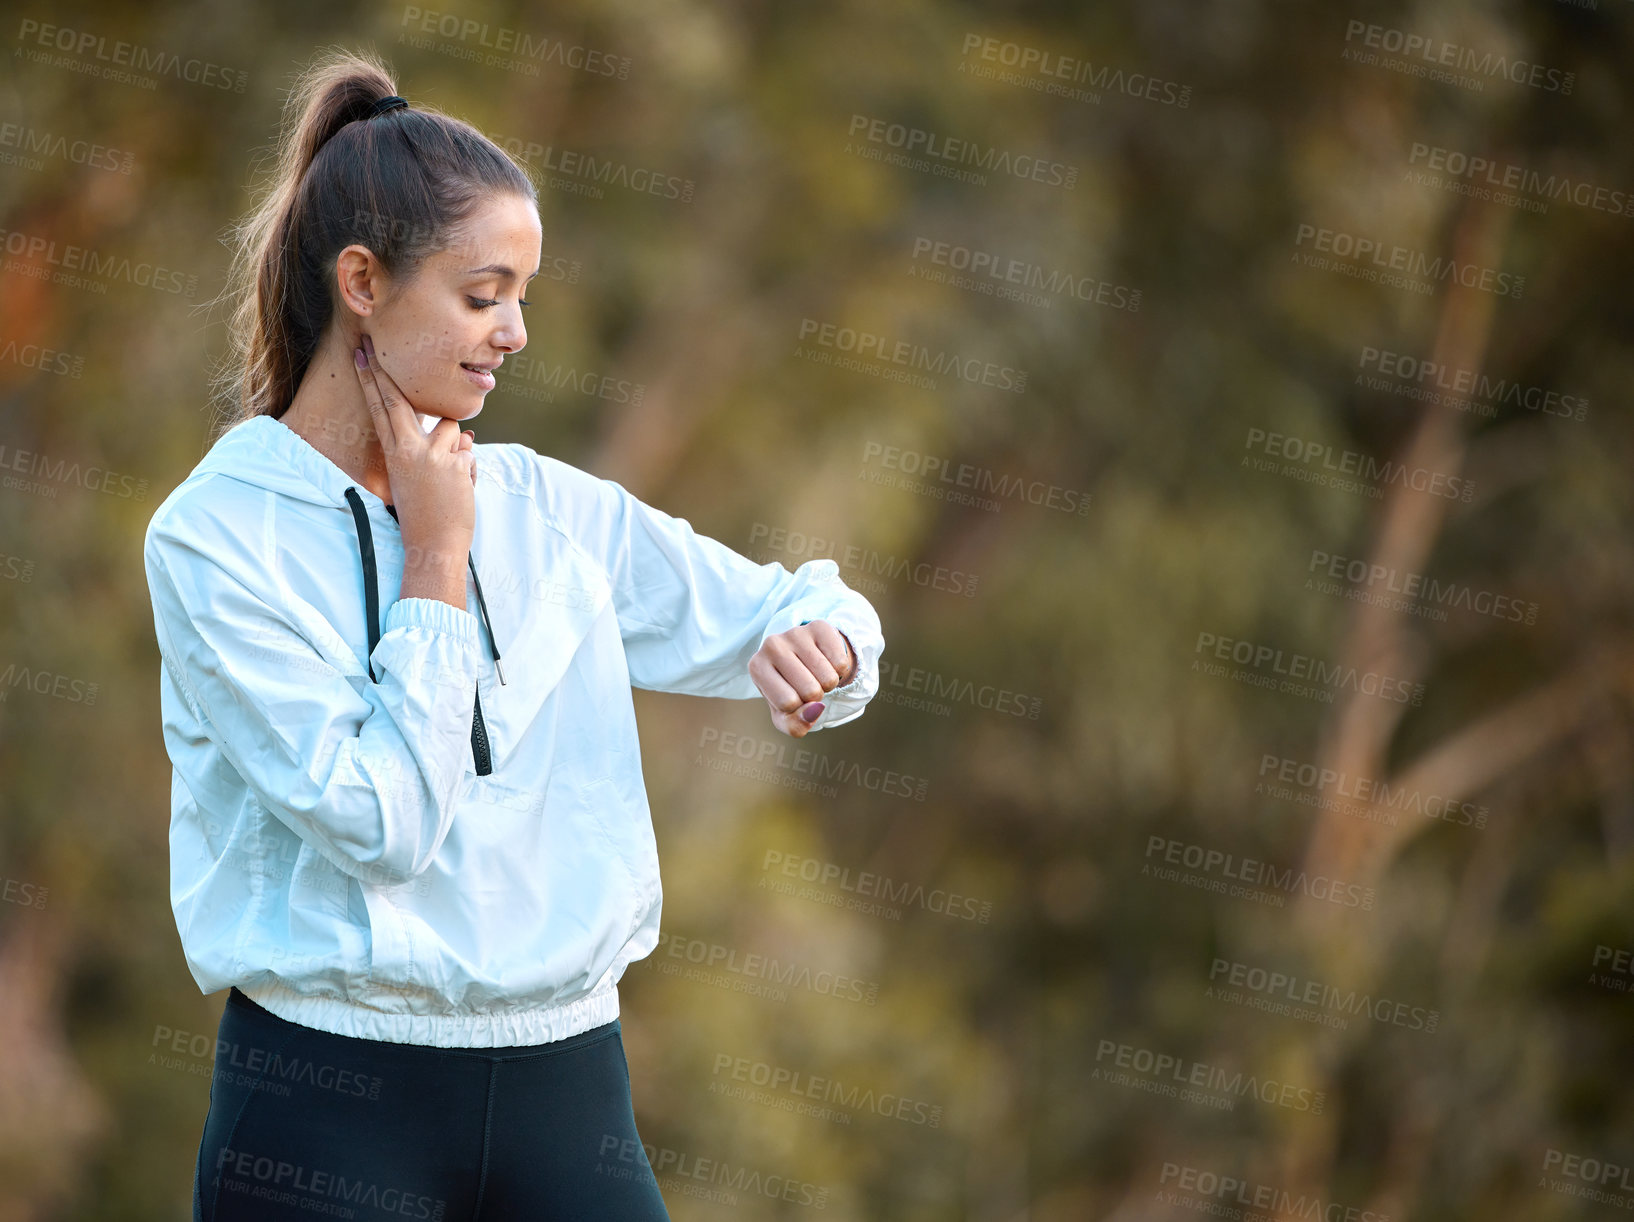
499,269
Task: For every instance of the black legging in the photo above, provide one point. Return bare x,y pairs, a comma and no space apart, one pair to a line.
306,1124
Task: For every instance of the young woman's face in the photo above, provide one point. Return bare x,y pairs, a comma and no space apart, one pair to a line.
463,309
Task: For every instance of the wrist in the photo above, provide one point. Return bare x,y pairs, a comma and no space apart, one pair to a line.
438,574
436,553
850,675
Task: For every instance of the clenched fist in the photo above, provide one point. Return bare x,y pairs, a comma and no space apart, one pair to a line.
793,669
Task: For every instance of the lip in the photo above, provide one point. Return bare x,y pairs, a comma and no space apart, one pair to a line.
483,378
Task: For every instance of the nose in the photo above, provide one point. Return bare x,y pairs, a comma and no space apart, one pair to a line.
513,335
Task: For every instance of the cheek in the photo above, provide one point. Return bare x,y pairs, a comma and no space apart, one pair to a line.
431,345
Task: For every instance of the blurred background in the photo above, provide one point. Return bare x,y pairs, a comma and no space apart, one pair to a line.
1225,405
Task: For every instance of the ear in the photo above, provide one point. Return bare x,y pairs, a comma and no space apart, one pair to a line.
359,279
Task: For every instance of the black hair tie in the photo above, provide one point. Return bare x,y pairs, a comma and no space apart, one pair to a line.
392,102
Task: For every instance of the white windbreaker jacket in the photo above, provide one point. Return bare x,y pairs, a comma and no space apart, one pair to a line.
372,834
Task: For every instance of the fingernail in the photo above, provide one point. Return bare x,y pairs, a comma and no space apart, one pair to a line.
362,361
812,711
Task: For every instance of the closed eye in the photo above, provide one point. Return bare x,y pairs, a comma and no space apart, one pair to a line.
478,303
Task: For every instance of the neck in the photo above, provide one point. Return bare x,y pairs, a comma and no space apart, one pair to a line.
330,413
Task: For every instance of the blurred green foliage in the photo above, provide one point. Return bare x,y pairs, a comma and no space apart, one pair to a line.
1510,932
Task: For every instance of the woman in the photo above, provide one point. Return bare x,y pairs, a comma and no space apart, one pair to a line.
419,870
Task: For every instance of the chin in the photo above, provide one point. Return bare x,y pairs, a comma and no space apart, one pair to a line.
446,411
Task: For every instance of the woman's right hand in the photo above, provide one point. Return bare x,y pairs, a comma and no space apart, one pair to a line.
432,476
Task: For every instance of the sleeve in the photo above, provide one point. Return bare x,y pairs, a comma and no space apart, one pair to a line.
693,612
371,779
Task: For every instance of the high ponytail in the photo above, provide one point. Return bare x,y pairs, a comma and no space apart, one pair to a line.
402,183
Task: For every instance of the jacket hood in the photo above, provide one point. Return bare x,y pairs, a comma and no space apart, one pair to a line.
269,454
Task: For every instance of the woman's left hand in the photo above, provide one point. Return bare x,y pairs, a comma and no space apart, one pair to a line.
794,669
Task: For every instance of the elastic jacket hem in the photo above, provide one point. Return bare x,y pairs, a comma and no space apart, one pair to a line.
503,1029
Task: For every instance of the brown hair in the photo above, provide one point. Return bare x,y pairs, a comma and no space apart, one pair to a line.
402,183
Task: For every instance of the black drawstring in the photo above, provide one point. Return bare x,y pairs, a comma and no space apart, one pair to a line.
371,603
371,589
